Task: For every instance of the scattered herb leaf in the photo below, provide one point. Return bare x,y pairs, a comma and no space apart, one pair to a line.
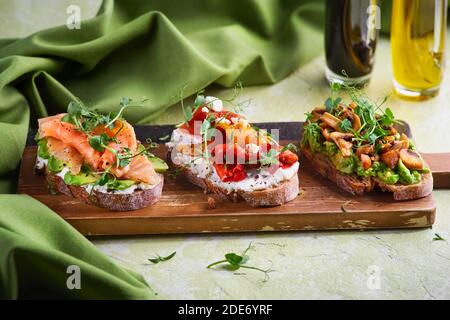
437,237
346,125
234,262
330,104
158,258
165,138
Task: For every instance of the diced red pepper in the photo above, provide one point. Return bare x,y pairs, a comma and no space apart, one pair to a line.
199,116
230,158
230,173
226,115
197,119
287,158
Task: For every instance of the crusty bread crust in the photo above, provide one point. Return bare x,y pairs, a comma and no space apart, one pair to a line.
358,185
350,183
115,202
270,197
412,191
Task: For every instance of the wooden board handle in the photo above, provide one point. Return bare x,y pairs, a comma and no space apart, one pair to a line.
440,166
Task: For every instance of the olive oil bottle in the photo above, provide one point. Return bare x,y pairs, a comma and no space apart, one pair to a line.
418,46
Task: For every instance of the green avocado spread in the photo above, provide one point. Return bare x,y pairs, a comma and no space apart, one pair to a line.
359,125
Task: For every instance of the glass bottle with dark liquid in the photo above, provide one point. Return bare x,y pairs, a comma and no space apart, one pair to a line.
350,40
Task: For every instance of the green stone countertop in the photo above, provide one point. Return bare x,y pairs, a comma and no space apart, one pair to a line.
307,265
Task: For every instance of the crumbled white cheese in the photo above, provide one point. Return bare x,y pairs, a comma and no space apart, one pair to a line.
41,163
182,136
205,110
224,121
215,103
199,166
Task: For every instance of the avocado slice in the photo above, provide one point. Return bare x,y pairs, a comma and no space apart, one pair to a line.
159,165
42,149
79,179
55,165
343,164
120,184
87,178
407,176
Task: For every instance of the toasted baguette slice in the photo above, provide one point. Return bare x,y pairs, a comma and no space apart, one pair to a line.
276,196
358,185
112,201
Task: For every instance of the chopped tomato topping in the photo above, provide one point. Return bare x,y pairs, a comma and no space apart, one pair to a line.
196,121
234,153
287,158
232,157
226,115
230,173
199,116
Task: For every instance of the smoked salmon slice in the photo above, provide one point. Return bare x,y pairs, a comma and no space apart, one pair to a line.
69,135
71,145
126,139
141,169
66,154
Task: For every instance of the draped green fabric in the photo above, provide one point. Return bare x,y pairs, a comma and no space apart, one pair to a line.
37,250
138,49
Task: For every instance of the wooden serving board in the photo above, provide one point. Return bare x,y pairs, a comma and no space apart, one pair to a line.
183,207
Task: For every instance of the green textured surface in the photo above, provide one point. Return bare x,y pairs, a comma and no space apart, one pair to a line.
309,264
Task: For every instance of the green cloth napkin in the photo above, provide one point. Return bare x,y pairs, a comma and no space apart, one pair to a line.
37,248
140,49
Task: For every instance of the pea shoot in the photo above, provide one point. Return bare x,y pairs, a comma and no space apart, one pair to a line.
157,258
233,262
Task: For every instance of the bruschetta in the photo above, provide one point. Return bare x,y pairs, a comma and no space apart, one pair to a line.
358,147
222,153
97,159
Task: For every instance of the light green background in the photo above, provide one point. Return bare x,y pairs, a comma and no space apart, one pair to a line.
308,265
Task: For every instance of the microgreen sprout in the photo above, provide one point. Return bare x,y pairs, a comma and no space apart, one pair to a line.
157,258
233,262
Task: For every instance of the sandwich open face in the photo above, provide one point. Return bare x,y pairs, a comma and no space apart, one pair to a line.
97,159
221,152
357,146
